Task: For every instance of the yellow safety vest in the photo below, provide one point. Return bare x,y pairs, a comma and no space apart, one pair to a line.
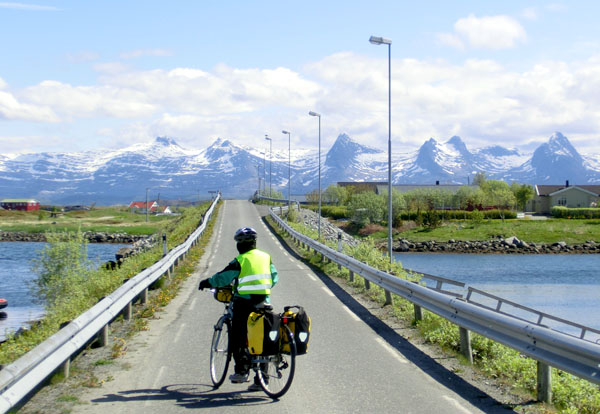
255,276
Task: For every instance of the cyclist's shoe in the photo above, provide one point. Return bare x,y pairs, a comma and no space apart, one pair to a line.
254,387
238,377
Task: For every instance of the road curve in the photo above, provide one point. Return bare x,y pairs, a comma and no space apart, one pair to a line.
355,364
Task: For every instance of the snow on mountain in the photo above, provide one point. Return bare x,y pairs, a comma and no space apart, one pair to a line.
168,170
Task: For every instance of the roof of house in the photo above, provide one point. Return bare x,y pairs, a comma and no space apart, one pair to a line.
19,200
546,190
142,204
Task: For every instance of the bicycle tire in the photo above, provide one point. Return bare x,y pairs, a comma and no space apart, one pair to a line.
220,353
277,371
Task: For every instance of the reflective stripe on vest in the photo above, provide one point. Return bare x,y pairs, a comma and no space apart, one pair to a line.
255,274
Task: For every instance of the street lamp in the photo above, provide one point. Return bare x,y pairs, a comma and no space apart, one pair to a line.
258,175
383,41
270,163
312,113
289,134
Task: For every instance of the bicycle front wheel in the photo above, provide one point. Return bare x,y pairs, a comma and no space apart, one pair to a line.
277,371
220,353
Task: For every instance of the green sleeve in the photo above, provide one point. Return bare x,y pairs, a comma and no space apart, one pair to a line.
226,276
274,274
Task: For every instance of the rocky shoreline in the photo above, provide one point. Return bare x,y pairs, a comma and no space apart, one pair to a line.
500,245
510,245
92,237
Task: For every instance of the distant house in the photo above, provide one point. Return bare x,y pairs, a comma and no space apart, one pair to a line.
20,204
572,196
153,207
141,206
380,187
164,210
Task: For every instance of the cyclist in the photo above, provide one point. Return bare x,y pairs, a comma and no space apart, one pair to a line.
252,275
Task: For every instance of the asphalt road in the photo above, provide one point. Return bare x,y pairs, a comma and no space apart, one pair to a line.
355,364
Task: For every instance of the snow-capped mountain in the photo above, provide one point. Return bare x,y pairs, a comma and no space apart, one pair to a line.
169,171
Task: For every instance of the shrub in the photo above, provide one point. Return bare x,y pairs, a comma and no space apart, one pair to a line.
575,213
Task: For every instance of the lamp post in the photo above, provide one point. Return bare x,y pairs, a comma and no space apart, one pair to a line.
258,176
270,163
289,134
312,113
383,41
265,173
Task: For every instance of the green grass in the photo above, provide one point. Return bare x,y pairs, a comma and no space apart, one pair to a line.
570,394
103,219
102,283
537,231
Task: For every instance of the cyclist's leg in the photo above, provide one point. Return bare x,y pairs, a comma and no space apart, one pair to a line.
241,311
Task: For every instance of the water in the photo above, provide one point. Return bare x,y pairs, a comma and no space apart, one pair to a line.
566,286
15,275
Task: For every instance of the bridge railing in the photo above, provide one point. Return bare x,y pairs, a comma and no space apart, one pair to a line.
576,355
19,378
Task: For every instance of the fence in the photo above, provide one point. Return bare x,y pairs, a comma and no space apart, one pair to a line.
574,354
22,376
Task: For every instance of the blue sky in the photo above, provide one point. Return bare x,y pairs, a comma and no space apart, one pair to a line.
84,75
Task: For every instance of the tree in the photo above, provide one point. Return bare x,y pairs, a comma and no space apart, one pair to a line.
398,204
499,195
62,268
365,208
480,180
313,196
523,193
335,194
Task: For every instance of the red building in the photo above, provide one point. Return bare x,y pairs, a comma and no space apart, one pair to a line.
21,204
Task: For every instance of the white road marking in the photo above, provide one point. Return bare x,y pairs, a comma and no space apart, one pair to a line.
286,254
392,351
455,403
326,289
312,277
179,332
352,314
300,266
193,303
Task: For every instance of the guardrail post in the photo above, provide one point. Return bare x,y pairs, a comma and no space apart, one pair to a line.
465,344
367,284
351,275
339,247
128,312
144,296
544,382
66,367
418,313
103,336
164,238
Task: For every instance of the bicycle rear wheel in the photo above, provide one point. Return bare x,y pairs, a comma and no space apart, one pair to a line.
220,354
277,371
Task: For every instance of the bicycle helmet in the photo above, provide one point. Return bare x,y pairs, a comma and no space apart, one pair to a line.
245,234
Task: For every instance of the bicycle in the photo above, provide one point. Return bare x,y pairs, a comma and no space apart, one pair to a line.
275,372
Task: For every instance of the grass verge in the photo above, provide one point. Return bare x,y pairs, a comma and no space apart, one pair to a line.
570,394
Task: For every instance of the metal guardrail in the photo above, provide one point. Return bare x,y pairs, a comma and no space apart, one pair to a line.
22,376
557,349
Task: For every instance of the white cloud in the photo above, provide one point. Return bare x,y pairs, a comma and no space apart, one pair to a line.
25,6
480,100
134,54
530,13
488,32
12,109
82,57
